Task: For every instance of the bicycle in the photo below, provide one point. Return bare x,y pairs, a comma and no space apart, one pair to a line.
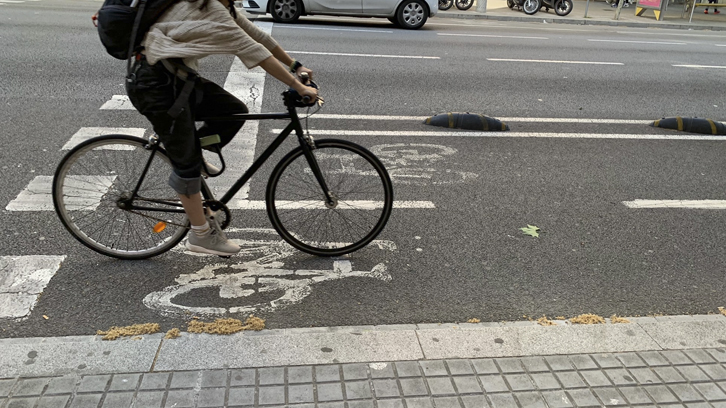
326,198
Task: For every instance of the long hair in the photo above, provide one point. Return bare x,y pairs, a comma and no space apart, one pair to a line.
232,10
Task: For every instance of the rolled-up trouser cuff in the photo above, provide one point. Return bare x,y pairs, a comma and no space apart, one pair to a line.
186,186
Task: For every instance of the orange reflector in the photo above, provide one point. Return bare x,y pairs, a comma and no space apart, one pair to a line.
160,226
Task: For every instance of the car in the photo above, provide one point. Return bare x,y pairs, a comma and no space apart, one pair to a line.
411,14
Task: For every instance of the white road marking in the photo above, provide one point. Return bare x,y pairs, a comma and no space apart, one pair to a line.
660,33
235,204
504,119
86,133
37,196
465,133
495,36
720,45
639,42
554,61
118,102
341,54
289,27
22,280
12,1
701,66
693,204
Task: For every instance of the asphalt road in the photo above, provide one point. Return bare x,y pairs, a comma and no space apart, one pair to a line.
465,258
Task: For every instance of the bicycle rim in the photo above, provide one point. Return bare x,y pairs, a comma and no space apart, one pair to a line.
95,175
296,204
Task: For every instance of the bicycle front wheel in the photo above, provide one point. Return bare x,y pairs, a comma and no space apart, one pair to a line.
93,195
359,184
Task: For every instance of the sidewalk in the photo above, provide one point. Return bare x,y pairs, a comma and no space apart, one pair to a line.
662,361
599,13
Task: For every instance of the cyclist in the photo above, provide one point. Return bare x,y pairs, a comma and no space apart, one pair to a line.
164,87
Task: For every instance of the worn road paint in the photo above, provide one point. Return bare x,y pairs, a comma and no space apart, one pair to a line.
118,102
504,119
693,204
86,133
494,36
553,61
22,279
341,54
701,66
639,42
419,164
37,196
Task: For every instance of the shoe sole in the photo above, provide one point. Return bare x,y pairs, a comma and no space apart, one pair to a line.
203,250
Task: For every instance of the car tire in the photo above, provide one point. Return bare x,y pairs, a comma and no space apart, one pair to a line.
286,11
411,14
394,20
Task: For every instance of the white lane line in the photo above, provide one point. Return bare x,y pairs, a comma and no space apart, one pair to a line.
720,45
639,42
701,66
37,196
342,54
555,61
465,133
118,102
318,205
329,29
693,204
659,33
12,1
22,279
86,133
494,36
504,119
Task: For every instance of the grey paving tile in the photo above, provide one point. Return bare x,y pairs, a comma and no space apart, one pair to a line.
583,398
184,379
718,354
27,402
433,368
180,399
119,399
441,386
337,404
358,404
419,403
53,401
653,358
271,395
685,392
61,385
609,396
619,376
90,401
557,399
635,395
718,404
467,385
699,356
358,390
474,401
535,364
676,357
559,363
412,387
606,361
385,388
630,360
6,386
505,400
485,366
300,393
519,382
545,381
355,371
408,369
715,371
595,378
699,405
242,396
242,377
214,378
296,375
510,365
30,387
493,383
669,374
149,399
154,381
692,373
211,397
645,376
327,373
459,367
124,382
582,362
530,399
271,375
447,402
390,403
570,379
710,391
660,394
381,370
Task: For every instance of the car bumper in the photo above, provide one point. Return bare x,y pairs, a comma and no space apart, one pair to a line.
433,7
255,6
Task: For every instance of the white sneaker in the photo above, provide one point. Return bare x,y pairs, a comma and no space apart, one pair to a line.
214,242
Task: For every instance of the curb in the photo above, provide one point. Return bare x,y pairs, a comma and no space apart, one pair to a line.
34,357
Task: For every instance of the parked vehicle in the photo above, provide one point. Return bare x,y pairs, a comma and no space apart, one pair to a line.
411,14
562,7
528,6
446,4
460,4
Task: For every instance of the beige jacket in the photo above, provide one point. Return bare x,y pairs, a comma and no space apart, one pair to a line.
186,32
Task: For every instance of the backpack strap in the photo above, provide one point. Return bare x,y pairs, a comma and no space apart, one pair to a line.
186,74
134,32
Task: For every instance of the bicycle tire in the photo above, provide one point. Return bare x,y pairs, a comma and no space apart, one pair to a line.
295,202
90,180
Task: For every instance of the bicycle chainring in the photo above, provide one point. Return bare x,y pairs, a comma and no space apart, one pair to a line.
224,216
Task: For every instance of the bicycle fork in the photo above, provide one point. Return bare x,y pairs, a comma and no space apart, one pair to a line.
308,146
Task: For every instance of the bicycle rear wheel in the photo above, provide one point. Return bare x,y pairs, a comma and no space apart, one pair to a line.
357,179
92,190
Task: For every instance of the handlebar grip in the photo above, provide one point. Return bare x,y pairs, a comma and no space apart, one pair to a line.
306,100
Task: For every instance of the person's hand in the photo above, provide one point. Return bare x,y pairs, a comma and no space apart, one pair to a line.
308,91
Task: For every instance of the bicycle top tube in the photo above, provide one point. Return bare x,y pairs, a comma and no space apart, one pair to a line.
290,114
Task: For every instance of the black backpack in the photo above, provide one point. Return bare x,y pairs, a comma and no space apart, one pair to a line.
120,21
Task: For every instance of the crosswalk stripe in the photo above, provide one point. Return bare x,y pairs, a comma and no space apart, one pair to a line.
313,205
86,133
38,196
118,102
23,279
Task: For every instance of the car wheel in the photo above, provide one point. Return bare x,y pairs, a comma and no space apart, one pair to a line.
286,11
412,14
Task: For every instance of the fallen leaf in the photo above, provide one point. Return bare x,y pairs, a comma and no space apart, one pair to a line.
473,320
531,230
